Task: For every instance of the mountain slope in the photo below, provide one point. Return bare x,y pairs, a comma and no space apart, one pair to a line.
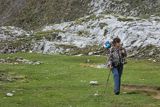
32,14
142,8
84,35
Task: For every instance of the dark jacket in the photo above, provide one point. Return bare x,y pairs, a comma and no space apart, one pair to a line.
117,56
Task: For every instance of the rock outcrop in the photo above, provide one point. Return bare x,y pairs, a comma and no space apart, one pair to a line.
86,35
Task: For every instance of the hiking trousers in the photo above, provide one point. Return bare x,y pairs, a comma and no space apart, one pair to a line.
117,73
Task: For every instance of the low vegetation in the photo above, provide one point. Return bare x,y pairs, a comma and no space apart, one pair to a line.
61,81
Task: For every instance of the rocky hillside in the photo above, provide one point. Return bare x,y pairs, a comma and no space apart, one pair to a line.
92,31
72,34
141,8
32,14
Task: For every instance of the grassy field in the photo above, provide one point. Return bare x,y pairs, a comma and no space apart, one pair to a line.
61,81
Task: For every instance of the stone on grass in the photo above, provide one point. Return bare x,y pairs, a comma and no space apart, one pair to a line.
96,94
9,94
90,53
154,61
30,51
101,66
79,55
93,82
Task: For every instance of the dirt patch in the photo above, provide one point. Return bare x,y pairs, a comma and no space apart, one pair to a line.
142,89
18,60
100,66
11,77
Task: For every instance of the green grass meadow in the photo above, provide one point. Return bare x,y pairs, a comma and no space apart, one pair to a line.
61,81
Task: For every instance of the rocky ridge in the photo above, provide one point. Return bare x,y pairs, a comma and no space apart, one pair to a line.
86,35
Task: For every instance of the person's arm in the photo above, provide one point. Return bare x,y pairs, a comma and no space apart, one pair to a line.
110,59
124,52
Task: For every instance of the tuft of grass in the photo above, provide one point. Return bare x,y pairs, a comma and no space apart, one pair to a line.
83,33
86,19
49,35
125,19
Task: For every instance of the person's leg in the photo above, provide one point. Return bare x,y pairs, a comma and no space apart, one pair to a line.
116,80
120,71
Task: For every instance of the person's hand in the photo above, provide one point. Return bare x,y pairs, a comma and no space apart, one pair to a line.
110,66
123,51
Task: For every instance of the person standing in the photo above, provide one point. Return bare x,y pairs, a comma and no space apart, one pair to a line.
116,61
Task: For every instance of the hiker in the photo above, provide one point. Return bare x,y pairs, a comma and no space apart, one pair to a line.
116,61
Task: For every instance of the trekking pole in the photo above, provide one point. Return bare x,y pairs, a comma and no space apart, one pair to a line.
107,80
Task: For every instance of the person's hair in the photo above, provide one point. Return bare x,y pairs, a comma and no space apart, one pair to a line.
116,40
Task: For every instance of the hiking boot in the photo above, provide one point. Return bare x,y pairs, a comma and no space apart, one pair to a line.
117,93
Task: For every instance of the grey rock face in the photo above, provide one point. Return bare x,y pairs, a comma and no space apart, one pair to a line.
88,34
11,33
